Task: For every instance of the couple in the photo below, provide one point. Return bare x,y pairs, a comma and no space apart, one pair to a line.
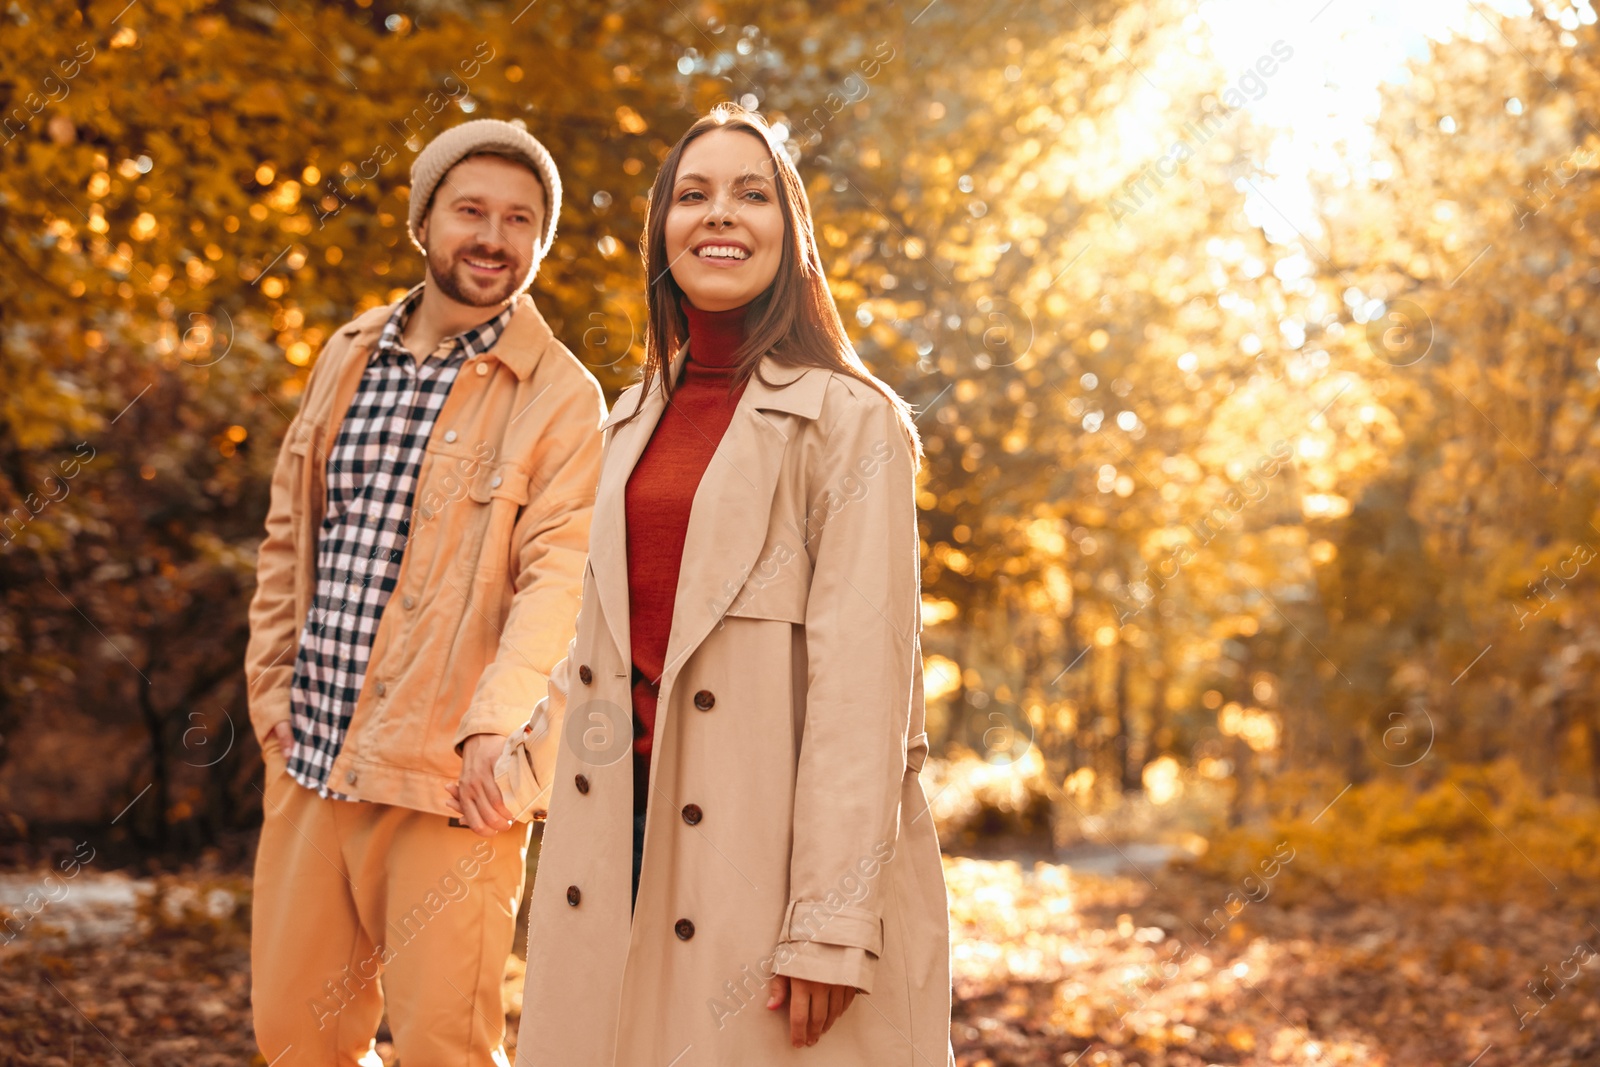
739,867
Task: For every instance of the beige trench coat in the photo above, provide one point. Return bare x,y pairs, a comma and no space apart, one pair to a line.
788,831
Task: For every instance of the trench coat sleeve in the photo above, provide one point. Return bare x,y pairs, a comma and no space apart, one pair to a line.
527,764
863,617
549,545
274,630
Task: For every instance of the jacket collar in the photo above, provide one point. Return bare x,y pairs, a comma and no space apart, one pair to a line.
524,340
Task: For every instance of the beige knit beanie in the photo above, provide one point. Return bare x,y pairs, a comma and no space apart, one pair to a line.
479,135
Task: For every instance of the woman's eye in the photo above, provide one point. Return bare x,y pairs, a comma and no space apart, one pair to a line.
758,194
687,195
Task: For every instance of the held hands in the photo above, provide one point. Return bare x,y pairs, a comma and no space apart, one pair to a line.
813,1008
477,797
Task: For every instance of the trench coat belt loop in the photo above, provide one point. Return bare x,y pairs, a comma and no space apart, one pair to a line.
916,753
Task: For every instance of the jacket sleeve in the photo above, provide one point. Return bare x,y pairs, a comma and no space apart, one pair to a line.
549,545
527,763
863,620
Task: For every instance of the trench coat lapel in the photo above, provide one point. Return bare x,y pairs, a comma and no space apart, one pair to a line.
608,538
729,517
732,508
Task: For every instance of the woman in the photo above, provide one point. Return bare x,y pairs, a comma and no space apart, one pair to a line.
745,686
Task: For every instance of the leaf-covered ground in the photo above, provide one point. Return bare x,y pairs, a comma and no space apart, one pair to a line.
1051,968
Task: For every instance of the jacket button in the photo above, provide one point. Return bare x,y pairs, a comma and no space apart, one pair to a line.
494,483
692,814
582,783
483,368
350,776
573,896
381,688
449,437
703,700
684,929
409,602
539,814
585,675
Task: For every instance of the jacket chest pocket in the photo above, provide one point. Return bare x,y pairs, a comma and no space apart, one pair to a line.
494,498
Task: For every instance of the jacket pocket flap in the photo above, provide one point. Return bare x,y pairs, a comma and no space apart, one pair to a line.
506,481
814,920
302,439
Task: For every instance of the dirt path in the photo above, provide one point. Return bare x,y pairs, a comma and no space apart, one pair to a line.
1051,967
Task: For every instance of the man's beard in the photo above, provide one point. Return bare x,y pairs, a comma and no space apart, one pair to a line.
457,288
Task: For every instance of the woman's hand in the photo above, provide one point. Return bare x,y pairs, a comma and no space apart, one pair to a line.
813,1008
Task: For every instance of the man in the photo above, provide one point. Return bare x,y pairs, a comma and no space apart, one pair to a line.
418,583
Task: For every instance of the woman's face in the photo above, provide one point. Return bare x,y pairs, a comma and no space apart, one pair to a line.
724,228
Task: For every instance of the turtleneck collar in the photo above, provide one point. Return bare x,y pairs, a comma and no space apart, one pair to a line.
714,336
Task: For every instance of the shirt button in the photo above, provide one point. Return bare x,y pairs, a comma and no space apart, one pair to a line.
449,437
539,814
409,602
381,688
704,699
585,675
692,814
392,455
573,895
582,783
684,929
483,368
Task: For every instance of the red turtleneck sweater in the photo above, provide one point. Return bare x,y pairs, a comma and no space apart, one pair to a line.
659,495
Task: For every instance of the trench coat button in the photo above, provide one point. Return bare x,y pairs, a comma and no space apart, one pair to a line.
585,675
483,368
684,929
573,896
703,700
381,688
692,814
582,782
449,437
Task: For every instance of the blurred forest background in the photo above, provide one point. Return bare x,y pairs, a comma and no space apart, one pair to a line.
1256,349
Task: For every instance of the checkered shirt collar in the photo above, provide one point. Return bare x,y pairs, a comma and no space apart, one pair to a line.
469,343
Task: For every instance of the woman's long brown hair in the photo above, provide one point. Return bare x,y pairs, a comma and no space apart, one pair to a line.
795,321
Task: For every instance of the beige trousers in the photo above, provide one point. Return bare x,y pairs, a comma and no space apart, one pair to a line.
362,906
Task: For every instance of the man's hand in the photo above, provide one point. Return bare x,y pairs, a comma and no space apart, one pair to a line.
477,796
813,1008
285,735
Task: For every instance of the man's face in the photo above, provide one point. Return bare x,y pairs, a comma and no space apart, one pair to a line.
487,216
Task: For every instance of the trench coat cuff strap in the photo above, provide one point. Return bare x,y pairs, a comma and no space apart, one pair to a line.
519,786
816,920
833,964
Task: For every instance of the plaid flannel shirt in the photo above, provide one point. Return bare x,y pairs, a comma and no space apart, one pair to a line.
372,477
